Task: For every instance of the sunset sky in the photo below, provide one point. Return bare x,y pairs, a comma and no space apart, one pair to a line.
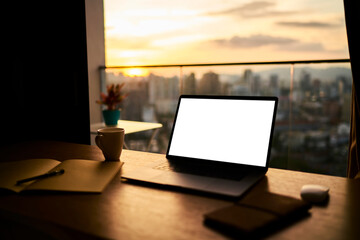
147,32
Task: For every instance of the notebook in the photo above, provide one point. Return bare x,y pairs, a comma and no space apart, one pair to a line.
257,214
218,144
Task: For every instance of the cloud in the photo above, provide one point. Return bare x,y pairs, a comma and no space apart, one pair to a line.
125,43
280,43
245,8
310,24
253,9
303,47
253,41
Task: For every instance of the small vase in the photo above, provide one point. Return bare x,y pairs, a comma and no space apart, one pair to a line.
111,117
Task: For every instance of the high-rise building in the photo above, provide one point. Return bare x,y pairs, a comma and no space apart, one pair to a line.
248,76
316,85
305,85
209,84
255,85
274,85
189,84
163,93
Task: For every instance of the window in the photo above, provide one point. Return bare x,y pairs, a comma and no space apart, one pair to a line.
312,125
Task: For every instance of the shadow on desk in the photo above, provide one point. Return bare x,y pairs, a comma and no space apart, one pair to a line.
298,210
261,233
262,185
257,215
19,230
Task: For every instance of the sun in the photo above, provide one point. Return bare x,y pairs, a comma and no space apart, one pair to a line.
136,72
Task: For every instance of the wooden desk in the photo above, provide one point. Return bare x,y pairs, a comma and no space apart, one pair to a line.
131,127
128,211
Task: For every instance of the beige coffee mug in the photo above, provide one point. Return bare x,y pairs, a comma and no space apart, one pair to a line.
110,141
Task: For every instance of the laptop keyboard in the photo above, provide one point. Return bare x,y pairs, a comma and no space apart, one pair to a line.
205,171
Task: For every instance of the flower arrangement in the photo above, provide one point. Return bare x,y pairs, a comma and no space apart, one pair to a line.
114,96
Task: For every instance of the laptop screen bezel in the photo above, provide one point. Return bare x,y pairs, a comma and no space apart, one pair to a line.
182,159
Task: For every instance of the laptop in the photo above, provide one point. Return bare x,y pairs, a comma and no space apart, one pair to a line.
218,144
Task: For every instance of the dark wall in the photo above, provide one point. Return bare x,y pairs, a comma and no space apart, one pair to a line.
352,18
44,86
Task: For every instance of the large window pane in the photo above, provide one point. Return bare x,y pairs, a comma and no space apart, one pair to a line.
312,124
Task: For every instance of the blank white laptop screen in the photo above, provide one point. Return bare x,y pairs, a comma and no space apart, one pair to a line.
226,130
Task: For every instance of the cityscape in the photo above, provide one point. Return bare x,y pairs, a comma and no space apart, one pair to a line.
312,123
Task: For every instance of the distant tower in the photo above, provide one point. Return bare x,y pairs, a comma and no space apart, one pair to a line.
210,84
305,84
316,85
274,85
248,76
172,87
156,88
255,85
190,84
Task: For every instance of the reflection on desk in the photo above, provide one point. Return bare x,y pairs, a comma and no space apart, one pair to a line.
131,127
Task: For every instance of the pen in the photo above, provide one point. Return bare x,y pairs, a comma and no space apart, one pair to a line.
46,175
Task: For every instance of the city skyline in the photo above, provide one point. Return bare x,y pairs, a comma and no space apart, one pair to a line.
313,114
165,90
325,72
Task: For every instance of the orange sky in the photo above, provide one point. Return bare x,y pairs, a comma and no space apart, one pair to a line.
217,31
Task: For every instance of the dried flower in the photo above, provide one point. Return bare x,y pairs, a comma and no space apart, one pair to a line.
114,96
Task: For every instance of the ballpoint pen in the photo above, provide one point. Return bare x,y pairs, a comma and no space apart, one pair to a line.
46,175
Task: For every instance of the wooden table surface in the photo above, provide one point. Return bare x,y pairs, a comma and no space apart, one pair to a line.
130,211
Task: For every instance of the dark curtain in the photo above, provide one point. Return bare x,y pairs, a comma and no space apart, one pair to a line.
352,20
45,95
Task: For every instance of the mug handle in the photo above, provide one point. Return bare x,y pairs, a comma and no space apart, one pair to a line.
98,141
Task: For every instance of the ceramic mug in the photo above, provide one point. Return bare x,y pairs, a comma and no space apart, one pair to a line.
110,141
